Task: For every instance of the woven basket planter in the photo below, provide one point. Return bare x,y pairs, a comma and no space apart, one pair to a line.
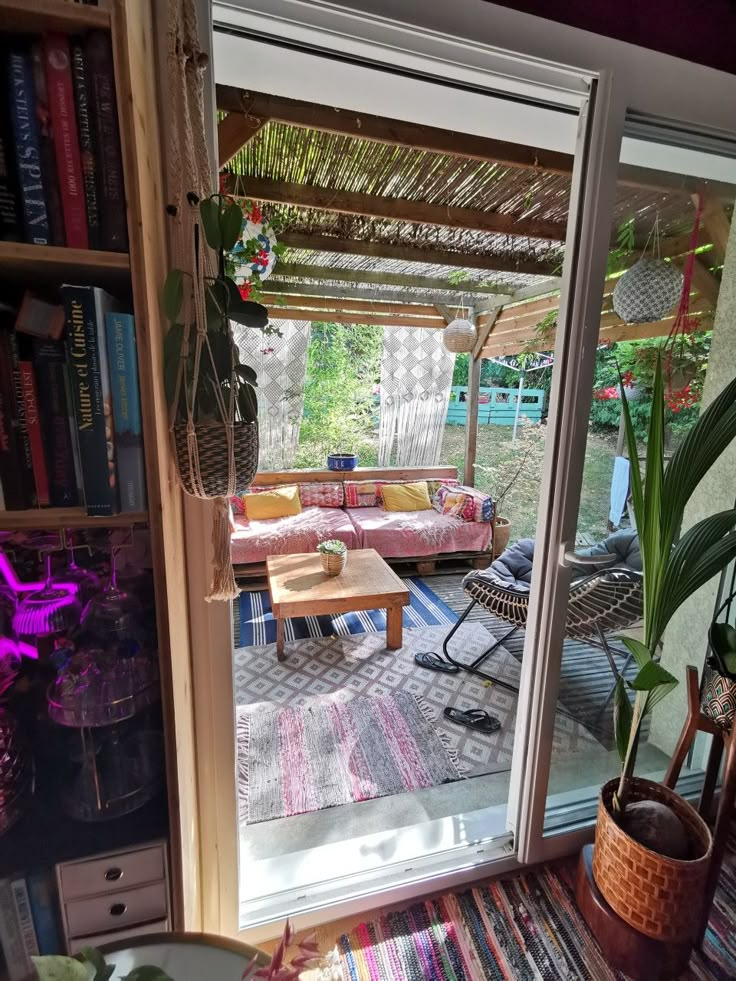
501,535
647,292
660,897
213,457
333,564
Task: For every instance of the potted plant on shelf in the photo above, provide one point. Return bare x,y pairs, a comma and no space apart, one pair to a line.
334,555
652,849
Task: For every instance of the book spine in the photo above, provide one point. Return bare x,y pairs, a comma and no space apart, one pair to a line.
27,151
49,362
10,473
17,962
104,118
86,146
11,229
24,462
46,146
35,437
85,369
25,918
66,140
126,407
43,901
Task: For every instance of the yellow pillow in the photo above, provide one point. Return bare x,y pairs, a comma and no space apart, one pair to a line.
406,497
278,503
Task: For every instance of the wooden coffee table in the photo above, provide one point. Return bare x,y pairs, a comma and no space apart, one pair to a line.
299,588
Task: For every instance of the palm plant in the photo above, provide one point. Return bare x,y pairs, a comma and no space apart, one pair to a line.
674,567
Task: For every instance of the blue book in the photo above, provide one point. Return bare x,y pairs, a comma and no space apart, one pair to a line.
126,410
22,99
43,901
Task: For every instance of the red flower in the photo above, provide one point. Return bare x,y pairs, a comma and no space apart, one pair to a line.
245,290
256,215
628,379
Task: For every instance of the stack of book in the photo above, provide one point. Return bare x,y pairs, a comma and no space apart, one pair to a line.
70,418
61,175
29,922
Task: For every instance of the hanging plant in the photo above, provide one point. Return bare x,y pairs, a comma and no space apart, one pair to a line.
650,289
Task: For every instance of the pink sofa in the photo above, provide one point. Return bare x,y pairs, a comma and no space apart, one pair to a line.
352,512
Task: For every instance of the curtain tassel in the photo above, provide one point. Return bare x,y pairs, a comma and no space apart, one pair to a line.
223,586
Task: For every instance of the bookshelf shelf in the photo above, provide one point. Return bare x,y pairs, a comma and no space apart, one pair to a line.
52,15
53,263
54,519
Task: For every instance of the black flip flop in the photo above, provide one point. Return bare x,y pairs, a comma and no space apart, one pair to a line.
431,660
477,719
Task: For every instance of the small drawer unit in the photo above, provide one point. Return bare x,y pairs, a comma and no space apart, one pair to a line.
120,891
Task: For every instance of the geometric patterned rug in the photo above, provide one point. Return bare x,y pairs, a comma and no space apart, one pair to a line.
361,665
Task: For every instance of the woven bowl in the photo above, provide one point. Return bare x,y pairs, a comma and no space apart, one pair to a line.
211,451
660,897
333,564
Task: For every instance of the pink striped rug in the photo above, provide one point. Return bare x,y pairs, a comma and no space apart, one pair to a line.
333,751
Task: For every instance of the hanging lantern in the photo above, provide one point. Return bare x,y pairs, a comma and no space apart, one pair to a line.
459,336
647,292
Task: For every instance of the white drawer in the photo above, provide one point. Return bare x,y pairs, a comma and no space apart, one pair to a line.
116,910
98,939
111,873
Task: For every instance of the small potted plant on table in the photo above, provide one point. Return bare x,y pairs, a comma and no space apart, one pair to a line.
334,555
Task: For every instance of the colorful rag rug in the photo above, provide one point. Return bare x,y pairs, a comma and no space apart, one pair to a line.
255,624
516,929
335,751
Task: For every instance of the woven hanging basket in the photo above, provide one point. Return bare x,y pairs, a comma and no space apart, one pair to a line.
647,292
660,897
211,451
459,336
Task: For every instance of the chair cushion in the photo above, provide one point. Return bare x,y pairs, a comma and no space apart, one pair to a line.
623,544
253,541
406,497
277,503
402,534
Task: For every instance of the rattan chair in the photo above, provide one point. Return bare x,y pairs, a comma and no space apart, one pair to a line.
605,596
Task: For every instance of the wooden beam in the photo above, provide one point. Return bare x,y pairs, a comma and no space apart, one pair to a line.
716,222
291,292
471,425
298,270
346,305
414,253
325,316
705,282
392,209
311,476
444,311
484,331
233,132
394,132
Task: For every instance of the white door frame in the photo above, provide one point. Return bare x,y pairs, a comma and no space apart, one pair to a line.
431,40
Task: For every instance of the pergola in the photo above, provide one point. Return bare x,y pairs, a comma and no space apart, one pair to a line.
398,224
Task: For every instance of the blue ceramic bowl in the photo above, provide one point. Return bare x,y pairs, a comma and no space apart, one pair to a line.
342,461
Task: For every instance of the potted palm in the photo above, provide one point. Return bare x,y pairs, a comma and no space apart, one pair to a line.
652,849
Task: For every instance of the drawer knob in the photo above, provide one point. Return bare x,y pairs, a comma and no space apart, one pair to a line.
113,874
117,909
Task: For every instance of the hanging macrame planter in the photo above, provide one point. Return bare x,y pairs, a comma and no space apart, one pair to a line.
459,336
211,396
649,290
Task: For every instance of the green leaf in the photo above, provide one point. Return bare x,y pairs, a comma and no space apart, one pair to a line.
247,404
622,716
147,973
173,294
249,314
651,676
209,213
220,356
216,300
640,652
55,968
247,373
103,970
637,487
230,223
650,531
723,639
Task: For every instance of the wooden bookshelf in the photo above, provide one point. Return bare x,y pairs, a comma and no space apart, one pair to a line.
56,519
35,16
53,264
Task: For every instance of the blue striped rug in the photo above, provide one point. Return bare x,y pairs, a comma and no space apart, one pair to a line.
257,625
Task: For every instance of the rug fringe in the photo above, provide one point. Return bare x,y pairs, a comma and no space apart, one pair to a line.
429,716
242,730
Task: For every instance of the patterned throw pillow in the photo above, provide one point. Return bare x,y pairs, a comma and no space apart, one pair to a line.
363,493
321,495
434,485
467,503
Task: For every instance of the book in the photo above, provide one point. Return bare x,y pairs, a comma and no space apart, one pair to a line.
104,118
11,229
17,959
22,98
57,417
10,474
44,908
57,56
126,410
85,308
47,148
33,425
86,145
39,318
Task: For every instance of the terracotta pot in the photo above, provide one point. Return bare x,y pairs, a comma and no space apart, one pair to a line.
501,535
333,564
660,897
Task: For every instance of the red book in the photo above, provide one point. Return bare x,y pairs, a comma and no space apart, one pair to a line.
33,425
57,56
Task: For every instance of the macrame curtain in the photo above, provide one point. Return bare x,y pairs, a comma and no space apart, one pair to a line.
281,365
416,375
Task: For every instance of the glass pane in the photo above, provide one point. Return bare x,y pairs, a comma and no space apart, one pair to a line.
668,296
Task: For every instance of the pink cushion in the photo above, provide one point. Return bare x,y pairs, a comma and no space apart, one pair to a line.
321,494
396,534
253,541
367,493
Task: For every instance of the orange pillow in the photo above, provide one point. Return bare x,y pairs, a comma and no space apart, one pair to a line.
406,497
277,503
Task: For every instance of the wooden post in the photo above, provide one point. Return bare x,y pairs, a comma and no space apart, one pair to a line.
471,430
